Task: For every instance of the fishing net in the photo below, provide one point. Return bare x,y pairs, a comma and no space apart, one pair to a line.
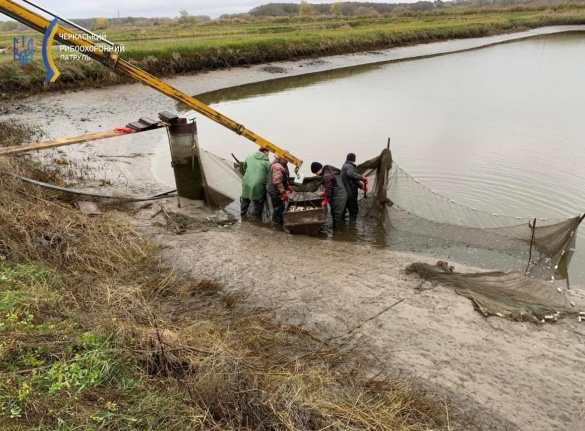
504,294
420,219
378,172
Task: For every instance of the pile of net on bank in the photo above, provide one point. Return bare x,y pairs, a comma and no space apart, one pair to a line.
503,294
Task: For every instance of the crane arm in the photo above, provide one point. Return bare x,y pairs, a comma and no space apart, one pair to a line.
111,59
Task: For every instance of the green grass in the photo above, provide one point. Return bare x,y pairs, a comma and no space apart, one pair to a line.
59,374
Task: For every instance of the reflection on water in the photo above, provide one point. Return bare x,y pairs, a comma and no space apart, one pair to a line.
278,85
498,128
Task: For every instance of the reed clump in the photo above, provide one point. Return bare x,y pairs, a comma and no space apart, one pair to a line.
99,332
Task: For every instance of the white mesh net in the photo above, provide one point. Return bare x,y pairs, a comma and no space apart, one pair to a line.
433,221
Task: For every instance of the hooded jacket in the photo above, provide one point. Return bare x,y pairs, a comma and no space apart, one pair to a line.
278,177
328,180
255,175
351,179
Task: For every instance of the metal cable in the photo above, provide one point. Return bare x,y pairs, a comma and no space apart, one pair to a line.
84,193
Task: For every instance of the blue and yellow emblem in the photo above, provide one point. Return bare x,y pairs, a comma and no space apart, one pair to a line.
52,72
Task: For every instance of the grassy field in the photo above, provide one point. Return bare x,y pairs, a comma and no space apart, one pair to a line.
167,50
97,332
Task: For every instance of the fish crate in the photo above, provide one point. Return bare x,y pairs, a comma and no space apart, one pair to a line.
305,217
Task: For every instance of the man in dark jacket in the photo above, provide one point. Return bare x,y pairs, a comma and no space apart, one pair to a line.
352,182
277,188
333,193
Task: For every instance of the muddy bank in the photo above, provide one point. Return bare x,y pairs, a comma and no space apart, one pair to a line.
517,376
510,375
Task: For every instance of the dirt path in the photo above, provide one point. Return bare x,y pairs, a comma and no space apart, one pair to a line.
515,376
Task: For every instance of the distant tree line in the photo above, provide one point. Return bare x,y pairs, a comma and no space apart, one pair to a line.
338,8
9,26
129,21
302,8
102,23
368,8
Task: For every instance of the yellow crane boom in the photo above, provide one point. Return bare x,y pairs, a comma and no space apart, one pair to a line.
111,59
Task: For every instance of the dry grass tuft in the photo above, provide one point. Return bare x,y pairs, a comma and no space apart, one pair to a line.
252,372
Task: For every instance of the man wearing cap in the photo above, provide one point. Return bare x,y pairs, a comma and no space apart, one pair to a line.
278,187
352,182
254,183
333,193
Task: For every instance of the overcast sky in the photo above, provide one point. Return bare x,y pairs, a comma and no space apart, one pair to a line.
152,8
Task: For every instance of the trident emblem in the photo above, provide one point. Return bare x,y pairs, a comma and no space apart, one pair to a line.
23,51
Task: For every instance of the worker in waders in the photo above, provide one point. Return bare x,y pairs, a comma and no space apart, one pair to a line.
333,193
254,182
278,188
352,182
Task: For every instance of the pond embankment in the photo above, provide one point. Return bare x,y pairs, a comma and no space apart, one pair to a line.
222,44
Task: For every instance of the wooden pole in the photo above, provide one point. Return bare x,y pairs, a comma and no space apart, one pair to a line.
531,242
17,149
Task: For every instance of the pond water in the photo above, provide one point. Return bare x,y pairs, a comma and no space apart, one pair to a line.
499,128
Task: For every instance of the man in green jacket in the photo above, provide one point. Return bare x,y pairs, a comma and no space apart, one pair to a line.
254,183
